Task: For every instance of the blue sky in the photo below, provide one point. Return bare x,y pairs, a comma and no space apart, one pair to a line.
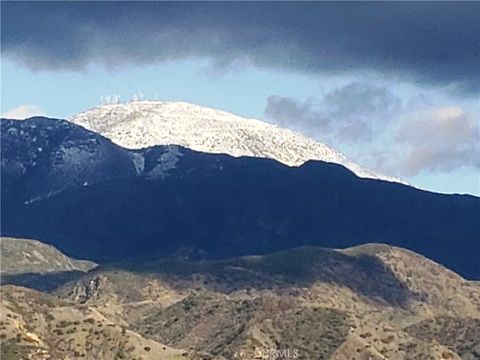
66,92
409,110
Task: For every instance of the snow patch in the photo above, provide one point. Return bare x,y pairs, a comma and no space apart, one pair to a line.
166,162
139,163
73,156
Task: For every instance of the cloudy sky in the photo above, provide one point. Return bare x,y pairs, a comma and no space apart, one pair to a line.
395,86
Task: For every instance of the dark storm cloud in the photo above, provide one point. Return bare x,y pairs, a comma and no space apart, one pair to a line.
437,43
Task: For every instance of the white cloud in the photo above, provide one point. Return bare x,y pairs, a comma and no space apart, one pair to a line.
396,130
440,139
23,112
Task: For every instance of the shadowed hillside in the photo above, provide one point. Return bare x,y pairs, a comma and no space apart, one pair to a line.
95,200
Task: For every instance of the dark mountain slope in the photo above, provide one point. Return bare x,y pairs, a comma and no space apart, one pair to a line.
165,200
42,156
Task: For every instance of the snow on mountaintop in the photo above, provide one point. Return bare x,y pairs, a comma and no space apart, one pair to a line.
142,124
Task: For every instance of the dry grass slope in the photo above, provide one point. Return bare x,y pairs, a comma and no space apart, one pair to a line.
368,302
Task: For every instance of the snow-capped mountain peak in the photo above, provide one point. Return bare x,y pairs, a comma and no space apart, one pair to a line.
142,124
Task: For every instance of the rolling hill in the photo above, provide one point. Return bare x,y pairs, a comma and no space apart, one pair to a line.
368,302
